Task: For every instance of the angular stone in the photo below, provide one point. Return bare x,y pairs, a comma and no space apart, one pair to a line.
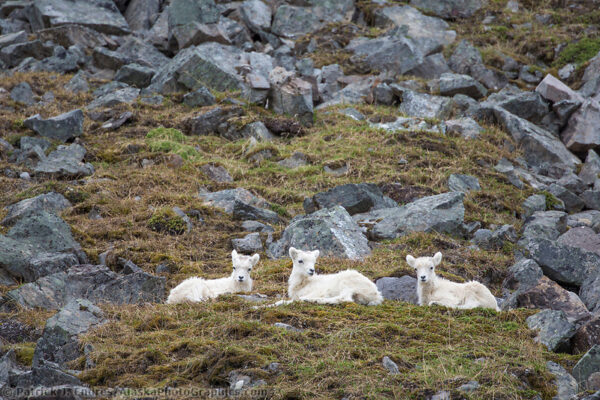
296,160
583,130
555,331
451,84
51,202
250,243
141,14
121,96
213,121
256,15
566,385
201,97
196,33
582,237
225,199
355,198
463,183
432,67
291,95
522,275
527,105
424,105
554,90
14,54
590,171
571,201
532,204
587,365
23,94
78,84
441,213
331,230
292,21
468,128
590,292
62,127
591,198
587,335
65,162
403,288
449,9
216,173
244,211
135,75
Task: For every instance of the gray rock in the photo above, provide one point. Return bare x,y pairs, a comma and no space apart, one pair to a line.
587,335
195,33
572,182
188,222
257,130
135,75
117,121
201,97
539,146
141,14
571,201
383,94
404,288
250,243
523,275
554,90
463,183
216,120
331,230
14,54
287,327
216,173
432,67
425,106
62,127
468,128
291,95
527,105
256,15
589,218
255,226
545,225
139,51
555,331
451,84
591,198
590,170
292,21
107,88
441,213
449,9
566,385
65,162
587,365
59,341
121,96
296,160
581,133
23,94
225,199
590,292
95,283
245,211
62,61
100,15
78,84
47,377
391,366
532,204
183,13
582,237
29,142
470,386
51,202
467,60
355,198
13,38
494,240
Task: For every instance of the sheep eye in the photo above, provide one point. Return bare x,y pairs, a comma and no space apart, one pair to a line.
300,261
249,269
431,268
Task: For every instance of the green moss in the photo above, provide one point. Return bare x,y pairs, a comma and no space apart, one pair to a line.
165,220
169,140
578,52
551,201
24,352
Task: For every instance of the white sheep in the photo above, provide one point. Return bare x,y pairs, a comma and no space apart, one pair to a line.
199,289
346,286
432,289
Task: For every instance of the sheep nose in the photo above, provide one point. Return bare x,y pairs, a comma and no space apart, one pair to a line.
241,278
423,277
311,271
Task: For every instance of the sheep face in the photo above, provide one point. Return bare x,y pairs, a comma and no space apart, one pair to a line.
242,265
304,261
424,266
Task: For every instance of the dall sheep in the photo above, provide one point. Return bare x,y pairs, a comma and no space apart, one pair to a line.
346,286
199,289
432,289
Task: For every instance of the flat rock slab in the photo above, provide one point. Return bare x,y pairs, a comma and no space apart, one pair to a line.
403,288
355,198
62,127
50,202
555,331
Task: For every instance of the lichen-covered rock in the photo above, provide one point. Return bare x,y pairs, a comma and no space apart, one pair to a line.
555,331
62,127
355,198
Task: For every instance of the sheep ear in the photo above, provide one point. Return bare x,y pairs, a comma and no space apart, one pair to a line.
293,253
316,253
411,260
437,258
254,259
234,255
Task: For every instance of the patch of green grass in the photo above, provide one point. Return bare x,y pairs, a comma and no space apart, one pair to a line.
551,201
578,52
165,220
170,140
23,352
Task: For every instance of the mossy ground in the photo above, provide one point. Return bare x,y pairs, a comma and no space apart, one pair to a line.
339,352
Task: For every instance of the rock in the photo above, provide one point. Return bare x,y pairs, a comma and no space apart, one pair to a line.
539,146
451,84
527,105
100,15
47,377
65,162
463,183
117,121
255,226
141,14
23,94
330,230
430,33
287,327
257,130
449,9
95,283
256,15
442,395
250,243
201,97
216,173
530,75
355,198
582,237
566,385
216,120
468,128
554,90
590,170
425,106
188,222
590,292
587,335
62,127
391,366
225,199
523,275
545,225
467,60
61,60
572,182
14,54
291,95
432,67
591,199
571,201
495,240
195,33
13,38
52,203
135,75
59,341
410,124
245,211
404,288
547,294
555,331
78,84
581,133
441,213
121,96
587,365
470,386
138,51
296,160
532,204
292,21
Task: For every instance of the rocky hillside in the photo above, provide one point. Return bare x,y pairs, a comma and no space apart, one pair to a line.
141,141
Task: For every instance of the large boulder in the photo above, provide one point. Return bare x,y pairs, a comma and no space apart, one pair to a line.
555,331
50,202
545,225
292,21
62,127
590,171
403,288
552,89
449,9
583,130
582,237
226,199
590,291
59,341
451,84
441,213
587,365
330,230
95,283
527,105
423,105
256,15
141,14
566,385
291,95
65,162
355,198
100,15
